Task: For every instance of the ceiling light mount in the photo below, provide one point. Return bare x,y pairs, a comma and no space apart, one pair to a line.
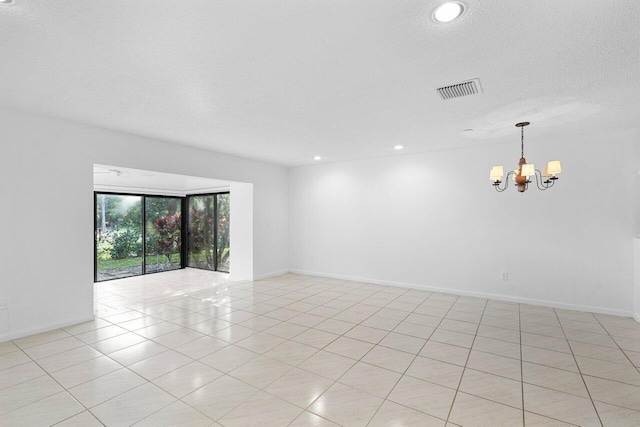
448,12
521,176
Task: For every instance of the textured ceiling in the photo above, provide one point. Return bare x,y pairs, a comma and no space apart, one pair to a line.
127,180
284,80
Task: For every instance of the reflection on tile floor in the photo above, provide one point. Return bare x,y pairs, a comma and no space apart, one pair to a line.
186,348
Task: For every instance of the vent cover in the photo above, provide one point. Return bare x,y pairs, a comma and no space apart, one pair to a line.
469,87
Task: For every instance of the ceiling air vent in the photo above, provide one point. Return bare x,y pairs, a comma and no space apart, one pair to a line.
469,87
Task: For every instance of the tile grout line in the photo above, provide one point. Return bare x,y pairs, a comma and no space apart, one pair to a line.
579,370
384,399
329,343
416,355
296,366
151,381
524,419
293,366
336,381
466,362
374,345
147,381
63,388
617,345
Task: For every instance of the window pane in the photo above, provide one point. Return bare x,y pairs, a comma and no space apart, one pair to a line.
201,241
118,236
223,232
163,239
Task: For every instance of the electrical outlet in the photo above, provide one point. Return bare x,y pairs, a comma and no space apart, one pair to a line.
504,276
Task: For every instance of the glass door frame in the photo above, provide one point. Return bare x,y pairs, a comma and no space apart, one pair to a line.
215,228
183,233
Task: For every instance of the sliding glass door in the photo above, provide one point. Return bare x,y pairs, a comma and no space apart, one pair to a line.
118,234
222,232
201,232
136,234
208,232
163,237
140,234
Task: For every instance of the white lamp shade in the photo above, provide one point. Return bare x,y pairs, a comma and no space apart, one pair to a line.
496,174
554,167
528,170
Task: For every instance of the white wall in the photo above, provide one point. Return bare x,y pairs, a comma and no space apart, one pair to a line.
46,199
636,241
636,281
433,220
241,232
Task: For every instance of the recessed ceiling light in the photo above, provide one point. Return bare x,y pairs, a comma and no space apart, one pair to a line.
398,147
467,130
448,11
317,158
6,1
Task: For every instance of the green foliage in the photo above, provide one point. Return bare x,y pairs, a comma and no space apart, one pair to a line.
119,210
126,242
201,231
104,248
168,236
163,226
223,231
119,221
114,264
201,236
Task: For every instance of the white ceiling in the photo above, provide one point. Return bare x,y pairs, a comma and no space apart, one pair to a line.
284,80
138,181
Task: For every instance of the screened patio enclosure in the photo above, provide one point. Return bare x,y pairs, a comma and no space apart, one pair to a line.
139,234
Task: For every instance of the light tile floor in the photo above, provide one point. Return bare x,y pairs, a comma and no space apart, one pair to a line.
188,348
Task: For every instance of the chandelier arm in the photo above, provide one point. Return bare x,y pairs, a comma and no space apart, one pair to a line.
506,183
544,186
499,189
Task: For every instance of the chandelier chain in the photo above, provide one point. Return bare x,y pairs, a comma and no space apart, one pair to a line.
522,141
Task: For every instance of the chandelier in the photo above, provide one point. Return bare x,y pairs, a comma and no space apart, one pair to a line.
522,176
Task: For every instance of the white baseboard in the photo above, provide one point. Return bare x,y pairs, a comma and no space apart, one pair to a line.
508,298
49,327
271,274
